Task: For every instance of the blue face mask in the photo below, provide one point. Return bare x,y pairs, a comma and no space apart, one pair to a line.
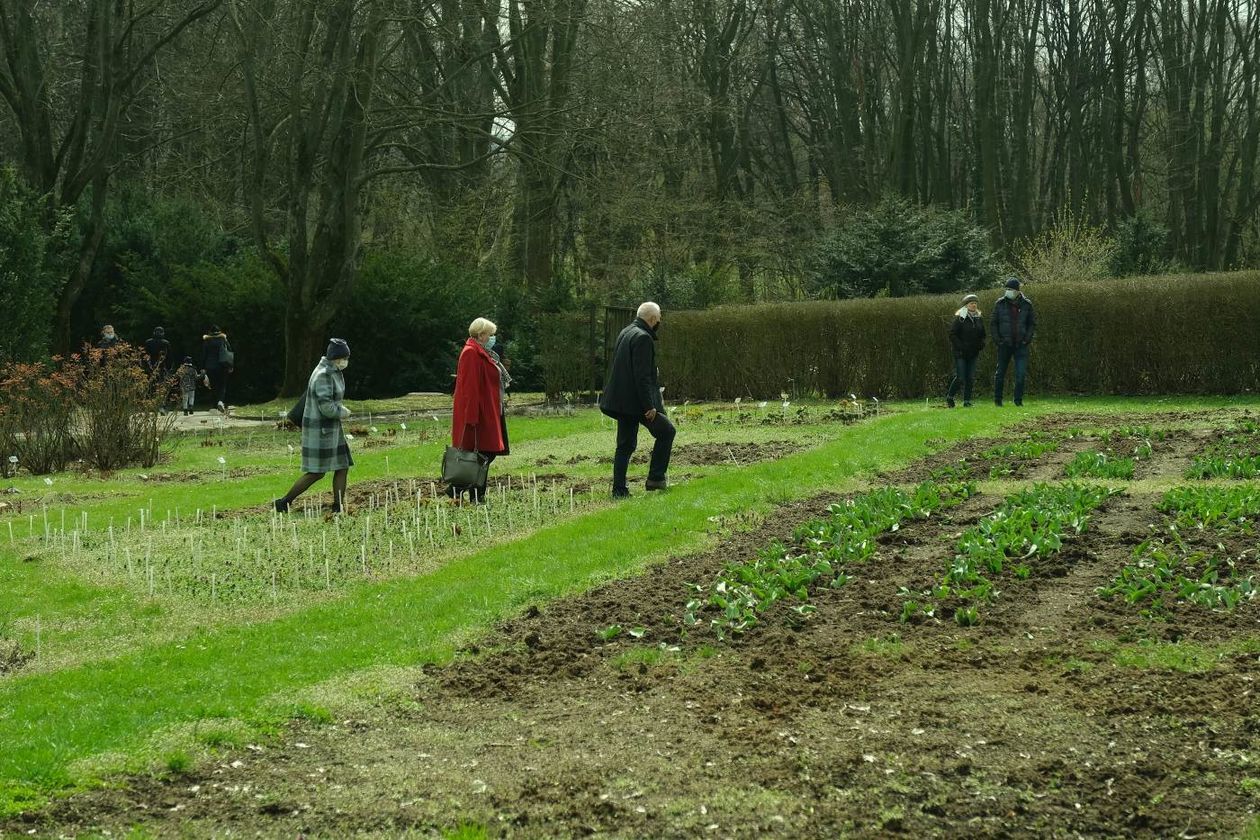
490,342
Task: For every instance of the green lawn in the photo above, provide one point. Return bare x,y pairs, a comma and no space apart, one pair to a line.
122,675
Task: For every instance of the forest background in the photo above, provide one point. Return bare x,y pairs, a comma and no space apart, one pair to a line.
386,170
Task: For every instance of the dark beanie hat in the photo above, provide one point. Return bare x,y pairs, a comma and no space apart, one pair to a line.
337,349
1012,282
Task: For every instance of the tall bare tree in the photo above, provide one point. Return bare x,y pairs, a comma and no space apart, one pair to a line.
309,74
69,75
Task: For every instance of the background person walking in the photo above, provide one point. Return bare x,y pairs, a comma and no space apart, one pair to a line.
217,361
189,377
1014,324
477,421
966,334
157,354
632,396
324,446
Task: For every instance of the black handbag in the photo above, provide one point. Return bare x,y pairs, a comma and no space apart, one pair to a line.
299,409
464,468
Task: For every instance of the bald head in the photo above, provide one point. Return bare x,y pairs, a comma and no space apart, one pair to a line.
650,313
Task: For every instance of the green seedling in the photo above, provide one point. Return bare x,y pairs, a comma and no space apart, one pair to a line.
1165,570
967,616
1222,509
1100,465
1236,456
818,552
1028,525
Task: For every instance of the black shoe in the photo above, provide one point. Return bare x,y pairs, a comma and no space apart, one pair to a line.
653,484
623,493
998,403
949,402
281,506
966,405
1019,403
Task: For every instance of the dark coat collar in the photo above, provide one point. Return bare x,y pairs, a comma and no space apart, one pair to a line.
643,325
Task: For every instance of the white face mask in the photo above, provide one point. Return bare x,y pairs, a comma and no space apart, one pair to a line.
1011,294
341,364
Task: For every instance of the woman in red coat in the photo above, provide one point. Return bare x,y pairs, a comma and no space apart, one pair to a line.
478,422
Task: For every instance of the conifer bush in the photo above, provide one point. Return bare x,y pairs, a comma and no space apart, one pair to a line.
1169,334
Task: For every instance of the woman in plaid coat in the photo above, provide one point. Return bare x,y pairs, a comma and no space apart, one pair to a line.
324,447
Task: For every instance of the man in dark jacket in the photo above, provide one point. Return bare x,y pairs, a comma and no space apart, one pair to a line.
632,396
966,334
1014,323
157,353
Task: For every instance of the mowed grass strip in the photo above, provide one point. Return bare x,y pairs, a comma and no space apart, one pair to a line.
48,721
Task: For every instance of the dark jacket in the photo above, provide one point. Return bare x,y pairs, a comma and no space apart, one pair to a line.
1014,322
966,334
631,389
212,347
157,353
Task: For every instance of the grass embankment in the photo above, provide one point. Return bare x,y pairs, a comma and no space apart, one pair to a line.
49,721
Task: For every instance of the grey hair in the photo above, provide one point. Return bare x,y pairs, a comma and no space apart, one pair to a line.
648,309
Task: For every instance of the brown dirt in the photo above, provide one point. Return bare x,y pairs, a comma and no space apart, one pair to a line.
699,454
847,724
12,657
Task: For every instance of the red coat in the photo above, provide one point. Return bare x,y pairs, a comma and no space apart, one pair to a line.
476,422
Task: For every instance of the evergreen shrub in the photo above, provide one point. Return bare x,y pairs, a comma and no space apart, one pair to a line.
897,249
1168,334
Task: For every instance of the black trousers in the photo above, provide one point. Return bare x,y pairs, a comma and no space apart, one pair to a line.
628,440
218,383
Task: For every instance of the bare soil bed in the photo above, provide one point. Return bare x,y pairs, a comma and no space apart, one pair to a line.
848,723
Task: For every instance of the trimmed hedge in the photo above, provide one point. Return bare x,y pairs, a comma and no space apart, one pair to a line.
1166,334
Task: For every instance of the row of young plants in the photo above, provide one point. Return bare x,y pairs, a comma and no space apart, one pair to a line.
1108,464
819,554
219,560
1236,455
1028,525
1221,509
1010,456
1175,565
1166,568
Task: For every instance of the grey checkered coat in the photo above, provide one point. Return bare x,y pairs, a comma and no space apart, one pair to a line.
324,447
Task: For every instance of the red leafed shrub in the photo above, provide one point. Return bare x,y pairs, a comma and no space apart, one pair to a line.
99,406
36,417
119,421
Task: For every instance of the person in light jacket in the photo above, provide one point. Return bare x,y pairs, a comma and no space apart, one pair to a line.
478,423
966,335
324,446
